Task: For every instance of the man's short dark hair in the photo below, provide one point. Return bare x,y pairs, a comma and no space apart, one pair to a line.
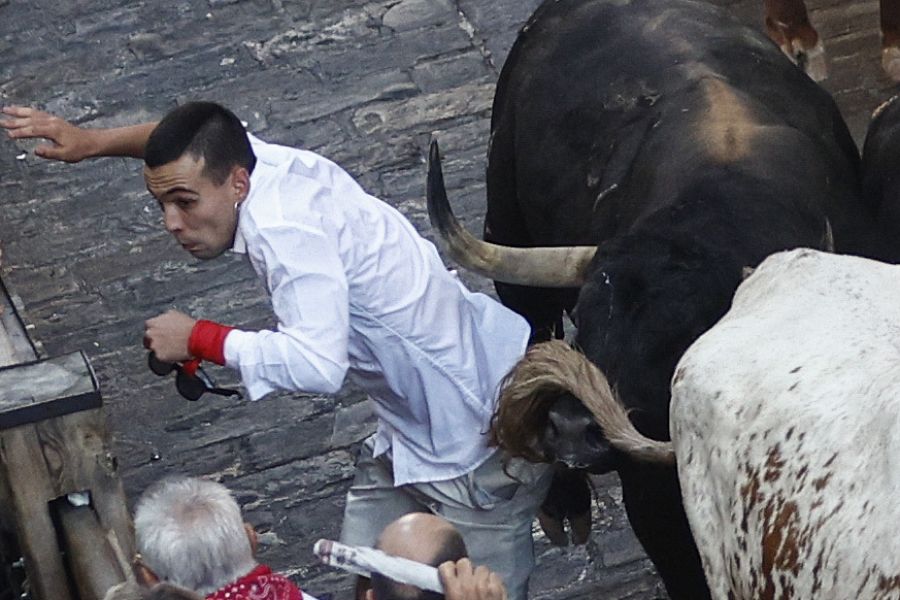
202,129
452,548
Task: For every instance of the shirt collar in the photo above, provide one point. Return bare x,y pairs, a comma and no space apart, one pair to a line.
240,242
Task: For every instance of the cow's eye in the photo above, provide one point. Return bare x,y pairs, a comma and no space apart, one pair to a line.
552,430
593,435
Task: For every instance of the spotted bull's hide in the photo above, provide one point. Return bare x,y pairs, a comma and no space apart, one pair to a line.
784,418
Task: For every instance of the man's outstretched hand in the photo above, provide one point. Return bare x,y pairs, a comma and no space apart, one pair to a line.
70,143
464,581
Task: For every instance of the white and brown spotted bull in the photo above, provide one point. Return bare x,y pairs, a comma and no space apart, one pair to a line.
784,422
788,24
643,152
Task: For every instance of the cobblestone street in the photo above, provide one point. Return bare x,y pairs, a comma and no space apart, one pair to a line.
365,83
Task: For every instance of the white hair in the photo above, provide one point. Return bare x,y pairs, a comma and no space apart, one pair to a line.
190,533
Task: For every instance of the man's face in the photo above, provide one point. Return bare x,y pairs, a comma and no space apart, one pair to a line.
198,212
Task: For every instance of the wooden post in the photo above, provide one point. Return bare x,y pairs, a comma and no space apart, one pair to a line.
87,550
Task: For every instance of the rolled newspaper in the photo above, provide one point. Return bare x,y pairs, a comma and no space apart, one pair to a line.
365,561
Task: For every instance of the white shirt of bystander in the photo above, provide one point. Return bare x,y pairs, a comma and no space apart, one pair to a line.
357,291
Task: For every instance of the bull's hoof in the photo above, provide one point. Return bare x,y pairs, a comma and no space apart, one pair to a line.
554,528
802,44
890,62
811,60
581,528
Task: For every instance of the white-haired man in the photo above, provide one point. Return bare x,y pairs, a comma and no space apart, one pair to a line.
190,533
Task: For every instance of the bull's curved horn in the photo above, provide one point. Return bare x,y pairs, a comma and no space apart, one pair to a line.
556,267
548,369
828,238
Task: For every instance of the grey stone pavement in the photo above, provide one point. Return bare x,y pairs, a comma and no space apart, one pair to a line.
363,82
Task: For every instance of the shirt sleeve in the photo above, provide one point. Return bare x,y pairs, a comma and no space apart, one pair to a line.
308,285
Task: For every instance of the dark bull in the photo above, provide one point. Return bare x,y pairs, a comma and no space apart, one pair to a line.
642,155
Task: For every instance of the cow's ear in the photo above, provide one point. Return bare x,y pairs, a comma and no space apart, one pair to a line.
747,272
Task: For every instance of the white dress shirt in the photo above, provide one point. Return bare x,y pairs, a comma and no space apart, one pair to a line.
356,290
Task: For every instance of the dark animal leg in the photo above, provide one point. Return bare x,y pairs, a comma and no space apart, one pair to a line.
890,38
579,509
569,498
554,527
787,23
653,502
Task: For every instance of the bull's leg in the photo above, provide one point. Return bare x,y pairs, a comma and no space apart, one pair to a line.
578,510
653,502
890,38
569,498
787,23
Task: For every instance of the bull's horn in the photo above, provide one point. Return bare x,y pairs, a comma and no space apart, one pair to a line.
546,370
828,238
556,267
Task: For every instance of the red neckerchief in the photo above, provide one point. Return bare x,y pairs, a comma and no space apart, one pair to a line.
259,584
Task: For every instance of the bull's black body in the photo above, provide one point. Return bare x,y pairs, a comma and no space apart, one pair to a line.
686,147
881,175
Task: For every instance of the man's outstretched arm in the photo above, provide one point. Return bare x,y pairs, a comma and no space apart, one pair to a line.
71,143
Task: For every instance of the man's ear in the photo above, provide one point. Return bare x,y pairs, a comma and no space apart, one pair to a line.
370,594
240,181
145,576
252,537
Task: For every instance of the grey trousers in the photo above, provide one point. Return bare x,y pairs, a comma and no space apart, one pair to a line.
491,507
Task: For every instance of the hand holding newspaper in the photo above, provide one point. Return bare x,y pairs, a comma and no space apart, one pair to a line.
365,561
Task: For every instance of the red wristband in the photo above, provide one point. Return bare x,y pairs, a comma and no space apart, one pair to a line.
207,341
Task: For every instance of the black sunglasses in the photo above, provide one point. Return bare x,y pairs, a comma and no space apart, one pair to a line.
191,380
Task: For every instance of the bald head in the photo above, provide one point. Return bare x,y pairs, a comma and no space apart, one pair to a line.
421,537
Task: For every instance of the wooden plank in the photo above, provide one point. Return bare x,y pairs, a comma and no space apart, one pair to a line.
15,346
44,389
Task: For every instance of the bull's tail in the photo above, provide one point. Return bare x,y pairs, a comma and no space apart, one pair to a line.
547,370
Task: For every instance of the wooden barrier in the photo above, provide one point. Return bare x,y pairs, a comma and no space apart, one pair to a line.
60,494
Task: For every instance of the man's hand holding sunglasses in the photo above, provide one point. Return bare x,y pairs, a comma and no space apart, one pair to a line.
178,342
176,337
168,336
